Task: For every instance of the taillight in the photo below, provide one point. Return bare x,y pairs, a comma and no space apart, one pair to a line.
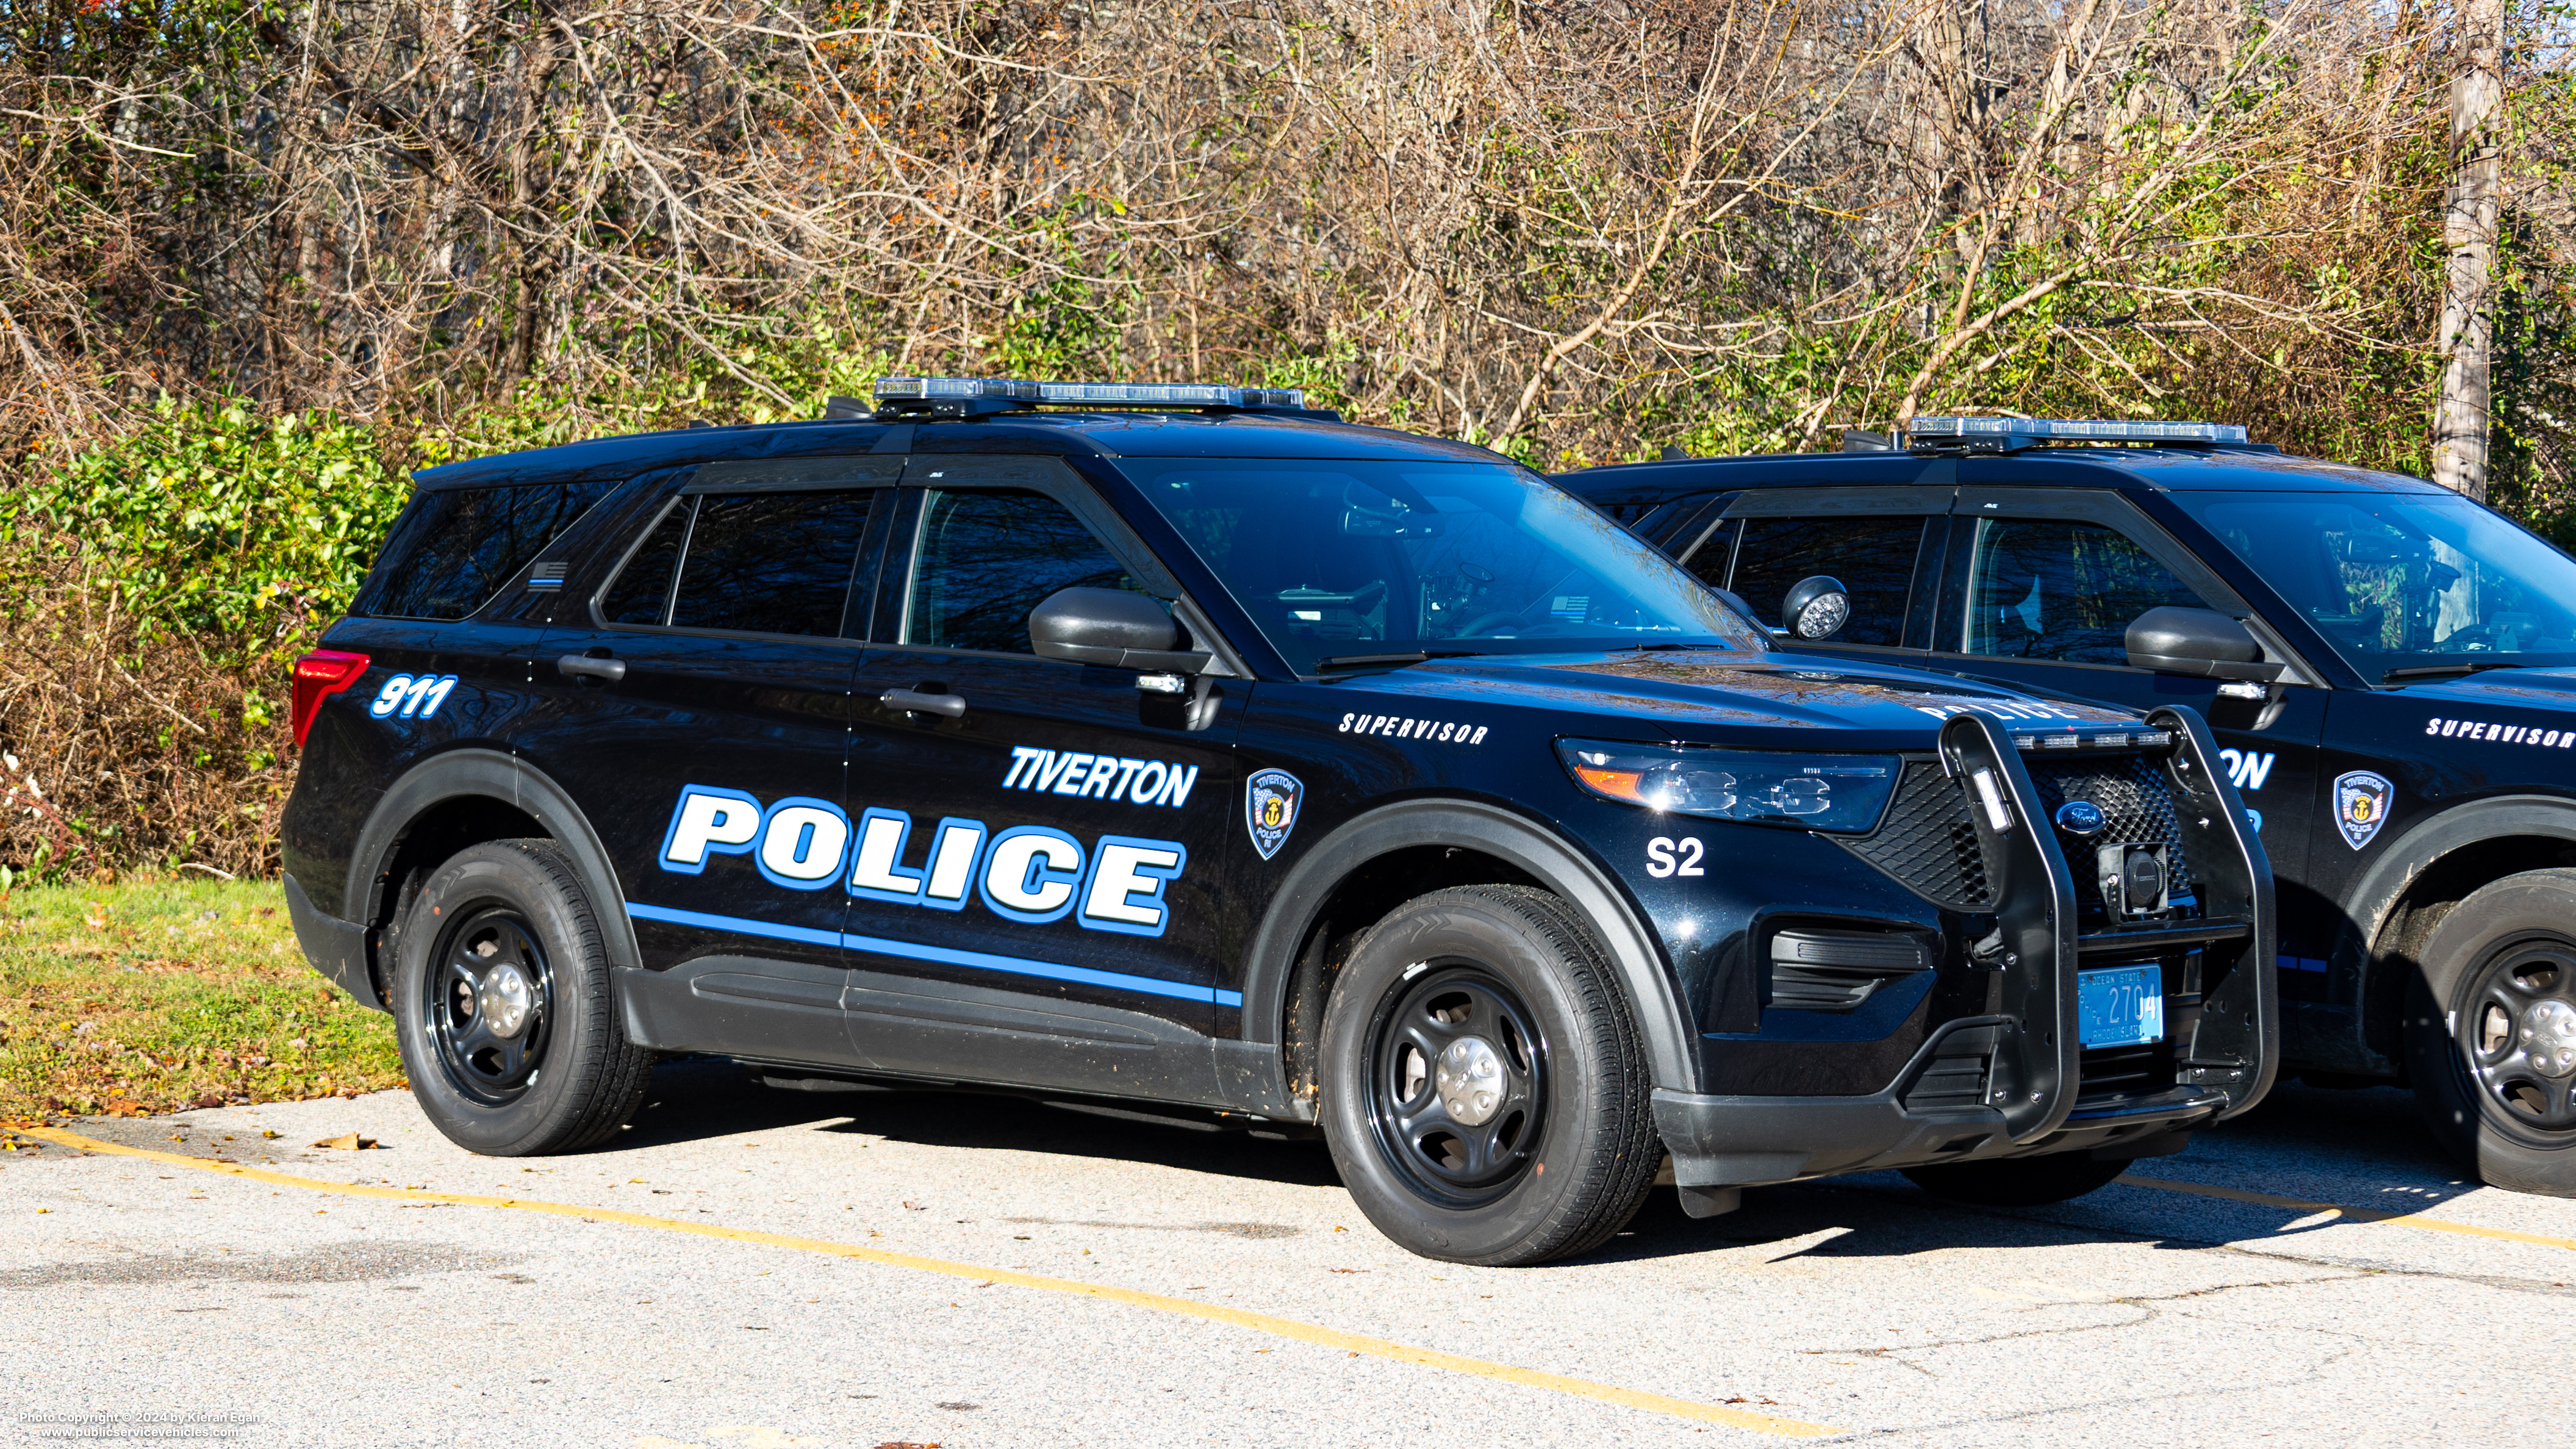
318,676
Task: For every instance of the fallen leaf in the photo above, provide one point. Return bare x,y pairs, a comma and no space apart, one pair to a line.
349,1141
264,1132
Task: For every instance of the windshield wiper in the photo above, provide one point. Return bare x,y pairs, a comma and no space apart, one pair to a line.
1334,662
2437,671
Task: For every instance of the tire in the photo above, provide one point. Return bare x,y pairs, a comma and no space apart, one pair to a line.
2490,1032
565,1078
1552,1145
2018,1181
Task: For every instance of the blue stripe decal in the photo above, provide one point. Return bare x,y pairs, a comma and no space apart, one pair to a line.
943,955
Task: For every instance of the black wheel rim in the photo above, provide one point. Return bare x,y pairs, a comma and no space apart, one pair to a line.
2516,1033
491,1004
1458,1083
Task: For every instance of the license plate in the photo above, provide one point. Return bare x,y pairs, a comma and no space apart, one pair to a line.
2120,1007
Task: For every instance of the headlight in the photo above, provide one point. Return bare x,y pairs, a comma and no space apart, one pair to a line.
1811,792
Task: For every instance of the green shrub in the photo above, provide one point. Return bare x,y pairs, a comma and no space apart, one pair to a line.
212,520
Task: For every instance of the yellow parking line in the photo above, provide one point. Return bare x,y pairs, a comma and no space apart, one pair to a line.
2365,1215
1351,1343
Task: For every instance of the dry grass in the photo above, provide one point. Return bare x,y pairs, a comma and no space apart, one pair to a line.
158,994
121,746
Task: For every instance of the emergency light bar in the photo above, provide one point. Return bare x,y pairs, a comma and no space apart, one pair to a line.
970,396
2003,435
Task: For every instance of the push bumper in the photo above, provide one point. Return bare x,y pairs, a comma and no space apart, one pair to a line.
2011,1084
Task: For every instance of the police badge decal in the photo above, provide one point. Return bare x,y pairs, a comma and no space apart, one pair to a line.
1270,801
2361,805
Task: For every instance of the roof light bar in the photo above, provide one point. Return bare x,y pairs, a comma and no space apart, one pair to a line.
910,394
2010,434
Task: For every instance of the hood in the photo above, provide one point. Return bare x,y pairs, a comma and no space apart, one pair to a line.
2526,688
1737,691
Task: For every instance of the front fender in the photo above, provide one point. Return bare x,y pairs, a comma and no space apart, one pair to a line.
1654,996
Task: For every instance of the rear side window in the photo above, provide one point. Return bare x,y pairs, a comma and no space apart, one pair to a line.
454,548
1874,557
755,563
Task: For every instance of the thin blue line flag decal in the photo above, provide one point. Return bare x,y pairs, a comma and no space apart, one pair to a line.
1270,802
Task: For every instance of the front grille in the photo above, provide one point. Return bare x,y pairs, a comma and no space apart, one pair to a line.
1928,842
2136,803
2129,1071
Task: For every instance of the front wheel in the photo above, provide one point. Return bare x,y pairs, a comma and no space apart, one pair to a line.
503,1007
1484,1093
2017,1181
2491,1032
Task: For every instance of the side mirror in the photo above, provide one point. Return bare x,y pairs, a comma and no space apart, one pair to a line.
2202,643
1112,627
1817,607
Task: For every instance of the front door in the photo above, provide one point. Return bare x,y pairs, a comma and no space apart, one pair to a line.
702,690
1034,886
2040,591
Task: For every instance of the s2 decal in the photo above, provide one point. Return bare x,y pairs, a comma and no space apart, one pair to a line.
1666,856
1027,873
411,696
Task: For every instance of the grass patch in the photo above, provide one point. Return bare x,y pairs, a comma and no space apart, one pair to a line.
153,995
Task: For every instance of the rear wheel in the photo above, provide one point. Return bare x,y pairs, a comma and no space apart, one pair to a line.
2491,1032
1485,1096
2017,1181
503,1007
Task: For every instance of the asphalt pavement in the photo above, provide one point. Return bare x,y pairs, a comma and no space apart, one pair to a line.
749,1267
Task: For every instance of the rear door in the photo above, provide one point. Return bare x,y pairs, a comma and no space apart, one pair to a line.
1036,893
701,721
1880,542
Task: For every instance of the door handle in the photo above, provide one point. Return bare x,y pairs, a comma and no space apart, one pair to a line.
913,701
578,665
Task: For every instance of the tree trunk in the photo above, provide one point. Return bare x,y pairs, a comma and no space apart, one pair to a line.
2469,235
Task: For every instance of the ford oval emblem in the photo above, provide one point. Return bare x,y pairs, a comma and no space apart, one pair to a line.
2080,817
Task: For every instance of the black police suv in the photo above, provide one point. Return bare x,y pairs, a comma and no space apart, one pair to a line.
2390,669
1180,745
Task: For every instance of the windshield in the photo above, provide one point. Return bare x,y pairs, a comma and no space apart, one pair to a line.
2405,582
1341,559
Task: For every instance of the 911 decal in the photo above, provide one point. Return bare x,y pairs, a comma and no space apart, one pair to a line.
1027,873
411,696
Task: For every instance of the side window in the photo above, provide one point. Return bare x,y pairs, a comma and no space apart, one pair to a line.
452,549
641,593
759,563
987,557
1874,557
2068,591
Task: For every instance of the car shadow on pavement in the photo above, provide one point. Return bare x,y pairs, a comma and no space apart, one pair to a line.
2359,1148
695,1098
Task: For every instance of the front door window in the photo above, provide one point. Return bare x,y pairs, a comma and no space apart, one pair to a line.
2048,589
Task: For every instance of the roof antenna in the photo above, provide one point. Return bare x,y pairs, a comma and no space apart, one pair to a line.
1672,454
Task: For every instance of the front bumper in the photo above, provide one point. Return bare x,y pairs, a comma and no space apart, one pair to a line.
2012,1082
1721,1142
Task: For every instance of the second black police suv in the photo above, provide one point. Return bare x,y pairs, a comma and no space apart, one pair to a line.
2390,668
1185,746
